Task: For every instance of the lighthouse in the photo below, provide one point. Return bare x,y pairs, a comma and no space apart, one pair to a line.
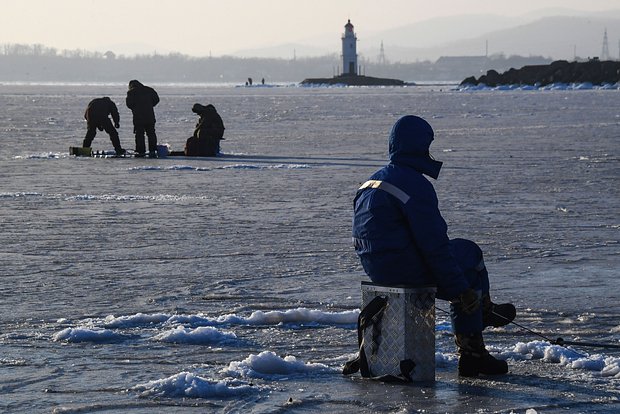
350,75
349,50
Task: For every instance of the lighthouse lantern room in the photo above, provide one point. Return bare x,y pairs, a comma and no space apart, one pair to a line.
349,50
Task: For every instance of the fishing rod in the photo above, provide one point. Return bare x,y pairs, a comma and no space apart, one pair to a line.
559,341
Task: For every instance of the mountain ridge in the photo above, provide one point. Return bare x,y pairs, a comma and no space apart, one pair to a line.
560,36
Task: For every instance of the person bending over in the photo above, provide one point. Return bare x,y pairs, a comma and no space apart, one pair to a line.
97,116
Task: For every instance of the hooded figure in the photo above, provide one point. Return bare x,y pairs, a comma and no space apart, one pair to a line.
141,100
97,116
208,133
401,239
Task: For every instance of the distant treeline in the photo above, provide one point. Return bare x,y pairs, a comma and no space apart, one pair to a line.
40,63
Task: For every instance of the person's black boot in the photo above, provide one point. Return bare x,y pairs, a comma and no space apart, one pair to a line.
497,315
474,359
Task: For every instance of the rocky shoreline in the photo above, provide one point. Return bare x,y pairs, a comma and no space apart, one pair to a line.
561,71
353,80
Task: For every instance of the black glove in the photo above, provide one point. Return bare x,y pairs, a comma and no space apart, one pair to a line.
117,125
470,301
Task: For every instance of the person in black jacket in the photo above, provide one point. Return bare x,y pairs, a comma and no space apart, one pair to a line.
208,133
141,100
97,117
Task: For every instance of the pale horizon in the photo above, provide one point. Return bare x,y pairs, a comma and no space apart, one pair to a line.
202,28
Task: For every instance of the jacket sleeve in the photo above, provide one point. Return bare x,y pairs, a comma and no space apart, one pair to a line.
220,123
114,111
199,131
130,100
155,97
430,233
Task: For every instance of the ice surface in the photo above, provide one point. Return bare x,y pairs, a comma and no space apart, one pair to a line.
229,284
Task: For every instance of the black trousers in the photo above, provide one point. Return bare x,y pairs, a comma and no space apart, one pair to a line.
107,126
139,131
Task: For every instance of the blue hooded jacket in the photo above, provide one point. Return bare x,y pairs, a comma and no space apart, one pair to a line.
398,231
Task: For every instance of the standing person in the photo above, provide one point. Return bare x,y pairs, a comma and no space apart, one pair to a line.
97,117
141,100
401,239
208,133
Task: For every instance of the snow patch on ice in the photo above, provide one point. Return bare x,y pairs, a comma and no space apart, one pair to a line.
550,87
132,321
604,365
291,316
203,335
264,167
132,197
225,167
445,360
593,363
198,329
302,315
186,384
169,168
42,156
12,362
268,365
20,194
611,368
187,167
83,334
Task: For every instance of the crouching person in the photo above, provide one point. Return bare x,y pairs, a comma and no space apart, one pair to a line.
208,133
97,116
401,239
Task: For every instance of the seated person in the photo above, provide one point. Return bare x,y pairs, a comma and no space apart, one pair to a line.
208,133
402,239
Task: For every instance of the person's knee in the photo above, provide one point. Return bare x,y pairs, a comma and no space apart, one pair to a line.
466,245
467,253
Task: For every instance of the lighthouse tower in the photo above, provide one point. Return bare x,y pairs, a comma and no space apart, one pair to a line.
349,50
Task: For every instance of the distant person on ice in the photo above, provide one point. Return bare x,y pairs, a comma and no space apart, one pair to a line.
401,239
141,100
97,117
208,133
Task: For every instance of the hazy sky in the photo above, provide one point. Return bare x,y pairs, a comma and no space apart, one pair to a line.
200,27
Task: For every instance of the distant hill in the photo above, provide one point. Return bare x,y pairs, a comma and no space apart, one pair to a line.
410,38
558,37
438,31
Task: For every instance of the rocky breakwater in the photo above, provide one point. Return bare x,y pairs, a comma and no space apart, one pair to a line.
354,80
561,71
